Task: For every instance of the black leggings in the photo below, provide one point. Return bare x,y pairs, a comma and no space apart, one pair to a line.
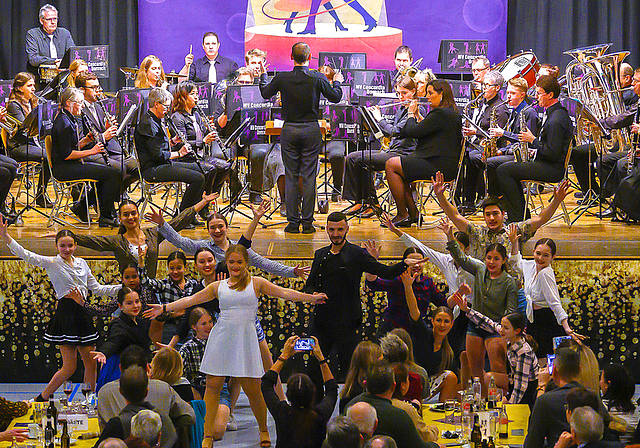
8,170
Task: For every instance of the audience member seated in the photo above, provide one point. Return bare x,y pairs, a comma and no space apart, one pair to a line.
365,354
365,417
299,423
342,433
548,419
112,442
167,366
394,350
146,429
160,395
392,421
589,375
586,429
134,387
381,442
413,408
618,388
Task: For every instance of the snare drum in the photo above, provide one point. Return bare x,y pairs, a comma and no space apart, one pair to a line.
525,65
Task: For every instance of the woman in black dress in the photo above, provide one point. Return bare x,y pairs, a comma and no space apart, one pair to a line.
439,137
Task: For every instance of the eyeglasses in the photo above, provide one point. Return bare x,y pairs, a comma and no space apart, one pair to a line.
50,19
486,86
96,88
245,82
477,70
166,106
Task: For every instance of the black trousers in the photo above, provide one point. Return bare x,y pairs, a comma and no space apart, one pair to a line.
33,153
473,180
492,179
344,338
510,175
301,144
108,180
8,170
179,172
613,169
336,152
358,178
256,155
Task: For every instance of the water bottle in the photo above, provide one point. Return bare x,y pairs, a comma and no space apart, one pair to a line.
477,392
493,393
467,400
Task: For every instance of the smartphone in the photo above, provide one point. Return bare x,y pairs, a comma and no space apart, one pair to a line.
550,359
305,344
558,340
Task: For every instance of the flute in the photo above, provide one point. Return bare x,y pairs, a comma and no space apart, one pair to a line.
384,106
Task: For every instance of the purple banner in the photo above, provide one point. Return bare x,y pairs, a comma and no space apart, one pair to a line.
169,27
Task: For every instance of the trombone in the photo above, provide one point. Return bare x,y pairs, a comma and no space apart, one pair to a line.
410,71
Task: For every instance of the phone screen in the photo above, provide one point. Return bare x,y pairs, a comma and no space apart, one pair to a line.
550,359
305,344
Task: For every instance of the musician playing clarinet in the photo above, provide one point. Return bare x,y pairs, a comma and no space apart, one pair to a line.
93,115
156,153
516,95
69,153
549,150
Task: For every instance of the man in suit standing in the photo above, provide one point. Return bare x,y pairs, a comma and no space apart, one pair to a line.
47,43
301,139
212,67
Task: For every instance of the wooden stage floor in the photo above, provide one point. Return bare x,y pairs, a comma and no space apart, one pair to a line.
588,238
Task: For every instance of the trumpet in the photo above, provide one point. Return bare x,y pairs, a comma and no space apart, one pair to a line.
10,124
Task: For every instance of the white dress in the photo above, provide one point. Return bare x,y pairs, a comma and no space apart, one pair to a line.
232,348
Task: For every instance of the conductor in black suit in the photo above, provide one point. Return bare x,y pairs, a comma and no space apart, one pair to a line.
212,67
301,139
47,43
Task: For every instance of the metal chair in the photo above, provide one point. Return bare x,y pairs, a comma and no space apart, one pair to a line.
64,199
529,184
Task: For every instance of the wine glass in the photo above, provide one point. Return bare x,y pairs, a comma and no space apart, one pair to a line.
86,388
68,389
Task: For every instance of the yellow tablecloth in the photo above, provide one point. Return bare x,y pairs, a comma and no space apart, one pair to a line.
23,422
518,419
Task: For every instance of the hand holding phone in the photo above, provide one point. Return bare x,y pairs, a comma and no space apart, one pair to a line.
305,344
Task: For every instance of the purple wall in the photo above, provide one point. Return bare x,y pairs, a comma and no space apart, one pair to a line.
168,27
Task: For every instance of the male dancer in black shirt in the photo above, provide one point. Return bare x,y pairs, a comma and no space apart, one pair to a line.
337,271
301,139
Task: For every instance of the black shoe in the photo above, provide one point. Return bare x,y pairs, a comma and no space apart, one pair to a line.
308,229
80,211
407,222
292,228
255,198
189,227
196,222
106,222
8,213
578,194
43,201
608,213
40,399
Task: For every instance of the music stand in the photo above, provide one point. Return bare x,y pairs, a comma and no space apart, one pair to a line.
32,126
52,90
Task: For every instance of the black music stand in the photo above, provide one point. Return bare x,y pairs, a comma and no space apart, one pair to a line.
32,126
235,201
52,90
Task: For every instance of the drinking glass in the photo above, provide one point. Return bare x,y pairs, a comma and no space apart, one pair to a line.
449,411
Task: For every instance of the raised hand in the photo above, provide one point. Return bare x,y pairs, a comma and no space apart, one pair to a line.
99,356
302,271
317,352
388,222
408,277
154,311
220,276
372,248
289,347
338,76
155,215
437,183
464,289
447,227
210,197
512,232
260,210
460,300
561,191
3,230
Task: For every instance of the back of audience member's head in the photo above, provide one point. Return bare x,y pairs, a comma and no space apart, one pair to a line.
401,377
365,354
579,397
343,433
566,366
167,366
365,417
394,349
147,425
133,384
136,442
589,375
618,388
133,355
112,442
380,378
300,391
406,338
586,424
381,441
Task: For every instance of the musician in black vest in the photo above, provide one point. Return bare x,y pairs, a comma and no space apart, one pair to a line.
68,154
301,139
474,161
93,115
156,153
48,43
549,150
358,180
516,95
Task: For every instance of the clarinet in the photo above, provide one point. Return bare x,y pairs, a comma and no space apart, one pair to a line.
97,136
631,155
217,138
185,143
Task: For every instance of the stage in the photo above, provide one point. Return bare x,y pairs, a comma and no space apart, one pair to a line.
597,270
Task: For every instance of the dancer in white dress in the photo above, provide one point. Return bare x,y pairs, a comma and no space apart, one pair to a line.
232,348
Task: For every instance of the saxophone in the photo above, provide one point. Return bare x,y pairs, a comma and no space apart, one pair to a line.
490,145
522,152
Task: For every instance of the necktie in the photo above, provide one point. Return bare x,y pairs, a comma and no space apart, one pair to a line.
212,72
52,48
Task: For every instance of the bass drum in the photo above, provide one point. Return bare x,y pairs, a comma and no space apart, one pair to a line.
525,65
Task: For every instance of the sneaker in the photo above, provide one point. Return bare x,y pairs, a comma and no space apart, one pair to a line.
292,228
308,229
232,424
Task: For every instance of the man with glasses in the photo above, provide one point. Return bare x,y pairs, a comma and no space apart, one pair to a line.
548,151
156,152
212,67
479,67
93,115
475,159
47,43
